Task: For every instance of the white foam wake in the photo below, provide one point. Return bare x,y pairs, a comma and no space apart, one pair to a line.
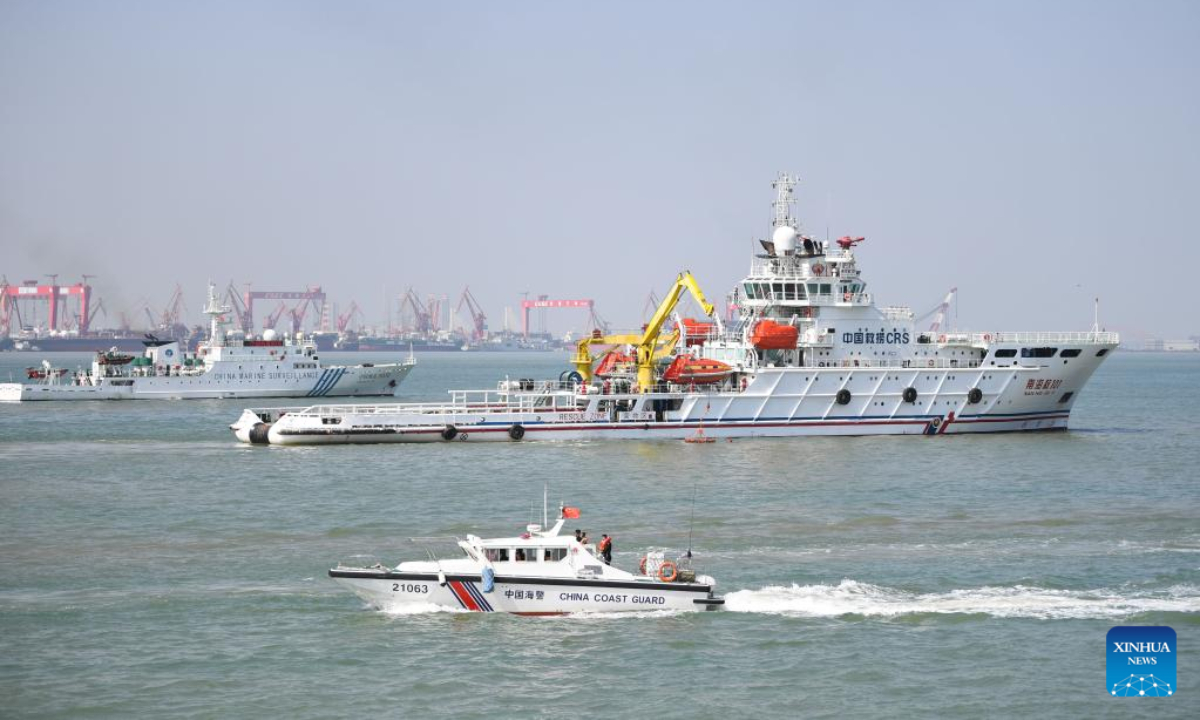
854,598
418,609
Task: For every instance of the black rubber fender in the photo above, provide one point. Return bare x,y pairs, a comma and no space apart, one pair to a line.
974,395
516,432
910,394
258,434
449,432
843,397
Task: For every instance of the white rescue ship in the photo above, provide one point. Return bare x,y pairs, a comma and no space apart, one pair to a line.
809,353
539,572
222,367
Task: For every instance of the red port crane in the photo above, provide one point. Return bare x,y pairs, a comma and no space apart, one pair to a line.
344,320
478,319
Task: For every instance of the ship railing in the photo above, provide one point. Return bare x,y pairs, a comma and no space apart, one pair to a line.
907,363
829,298
983,339
1086,338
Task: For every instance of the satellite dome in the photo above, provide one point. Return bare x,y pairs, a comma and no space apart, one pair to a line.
784,238
269,334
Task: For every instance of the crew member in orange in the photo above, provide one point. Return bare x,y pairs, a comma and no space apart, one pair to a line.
605,548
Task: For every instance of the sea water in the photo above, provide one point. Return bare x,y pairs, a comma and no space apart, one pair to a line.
152,566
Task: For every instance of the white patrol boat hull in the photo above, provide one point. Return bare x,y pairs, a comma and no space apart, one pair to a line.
777,402
393,591
273,382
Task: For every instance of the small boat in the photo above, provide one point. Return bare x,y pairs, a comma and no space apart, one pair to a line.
44,373
112,357
686,369
538,572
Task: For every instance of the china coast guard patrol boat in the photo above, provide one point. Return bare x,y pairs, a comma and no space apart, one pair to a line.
809,353
222,367
539,572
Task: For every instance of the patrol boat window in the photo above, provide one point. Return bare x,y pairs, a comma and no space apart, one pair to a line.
497,554
1006,352
555,554
1040,352
1071,352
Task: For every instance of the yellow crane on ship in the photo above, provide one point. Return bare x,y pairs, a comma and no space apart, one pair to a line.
647,344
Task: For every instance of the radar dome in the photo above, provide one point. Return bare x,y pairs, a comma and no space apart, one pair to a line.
269,334
784,238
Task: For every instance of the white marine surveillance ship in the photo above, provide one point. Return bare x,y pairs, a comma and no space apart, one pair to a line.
222,367
808,353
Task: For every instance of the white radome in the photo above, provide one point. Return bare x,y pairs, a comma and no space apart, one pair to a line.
785,239
269,334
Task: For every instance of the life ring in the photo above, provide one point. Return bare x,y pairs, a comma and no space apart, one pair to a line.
667,572
931,363
642,566
516,432
987,337
846,296
818,269
449,432
941,338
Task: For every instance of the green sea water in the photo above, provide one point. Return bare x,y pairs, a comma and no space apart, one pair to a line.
152,566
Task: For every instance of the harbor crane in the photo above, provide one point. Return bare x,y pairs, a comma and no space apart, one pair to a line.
344,320
478,319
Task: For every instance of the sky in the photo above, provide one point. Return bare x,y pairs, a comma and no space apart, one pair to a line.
1035,155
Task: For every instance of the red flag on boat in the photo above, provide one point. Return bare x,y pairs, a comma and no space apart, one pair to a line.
570,512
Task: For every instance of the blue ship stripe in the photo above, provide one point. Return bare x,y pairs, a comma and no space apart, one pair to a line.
316,387
477,595
327,381
334,378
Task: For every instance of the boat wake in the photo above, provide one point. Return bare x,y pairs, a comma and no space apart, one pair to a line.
854,598
418,609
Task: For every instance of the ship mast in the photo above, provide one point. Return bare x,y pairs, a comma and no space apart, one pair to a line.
216,312
784,202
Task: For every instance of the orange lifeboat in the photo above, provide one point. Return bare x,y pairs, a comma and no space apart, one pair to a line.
696,371
696,332
770,335
611,360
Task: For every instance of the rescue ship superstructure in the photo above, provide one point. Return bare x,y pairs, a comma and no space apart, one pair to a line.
809,353
222,367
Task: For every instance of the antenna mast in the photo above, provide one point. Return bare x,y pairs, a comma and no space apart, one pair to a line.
784,202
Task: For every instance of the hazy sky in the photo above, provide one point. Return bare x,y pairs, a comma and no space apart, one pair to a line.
1033,154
